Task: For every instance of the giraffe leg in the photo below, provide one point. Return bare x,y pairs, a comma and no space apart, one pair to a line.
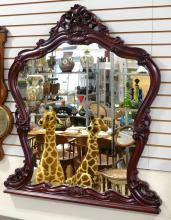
39,176
85,180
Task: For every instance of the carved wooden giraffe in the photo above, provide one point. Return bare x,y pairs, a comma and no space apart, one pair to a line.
87,171
50,169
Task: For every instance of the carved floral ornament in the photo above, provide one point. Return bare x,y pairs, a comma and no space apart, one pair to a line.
80,26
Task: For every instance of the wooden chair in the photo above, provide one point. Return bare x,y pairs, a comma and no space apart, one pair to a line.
108,121
81,148
38,145
95,107
67,153
124,148
105,153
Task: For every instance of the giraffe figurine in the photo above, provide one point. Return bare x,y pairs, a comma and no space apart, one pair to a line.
50,169
87,172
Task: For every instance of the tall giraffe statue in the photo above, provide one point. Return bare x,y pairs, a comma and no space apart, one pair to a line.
87,172
50,169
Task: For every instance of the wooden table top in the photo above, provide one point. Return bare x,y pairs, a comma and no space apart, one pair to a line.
77,133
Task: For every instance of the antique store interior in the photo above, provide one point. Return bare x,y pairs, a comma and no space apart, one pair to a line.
79,107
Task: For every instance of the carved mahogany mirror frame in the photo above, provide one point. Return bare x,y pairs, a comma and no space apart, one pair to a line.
7,120
80,26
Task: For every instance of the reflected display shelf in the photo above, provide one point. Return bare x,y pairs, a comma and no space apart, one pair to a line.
62,73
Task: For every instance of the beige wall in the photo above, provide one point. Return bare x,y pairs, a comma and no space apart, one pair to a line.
142,23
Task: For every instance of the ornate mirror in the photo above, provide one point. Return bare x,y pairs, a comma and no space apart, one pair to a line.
6,119
83,101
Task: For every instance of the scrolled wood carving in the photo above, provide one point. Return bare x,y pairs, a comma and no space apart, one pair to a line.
80,26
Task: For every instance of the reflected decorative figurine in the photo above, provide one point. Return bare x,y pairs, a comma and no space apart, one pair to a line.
67,63
51,63
137,95
50,169
87,61
86,174
35,87
127,98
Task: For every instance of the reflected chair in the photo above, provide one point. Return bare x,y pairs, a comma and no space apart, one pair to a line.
81,148
67,153
39,145
98,108
108,121
36,144
105,153
78,121
124,142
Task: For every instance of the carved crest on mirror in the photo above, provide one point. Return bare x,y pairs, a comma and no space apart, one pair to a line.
6,119
106,111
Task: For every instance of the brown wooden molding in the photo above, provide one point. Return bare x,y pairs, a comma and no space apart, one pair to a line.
80,26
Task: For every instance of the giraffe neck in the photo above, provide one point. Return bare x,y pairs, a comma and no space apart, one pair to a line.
50,138
92,142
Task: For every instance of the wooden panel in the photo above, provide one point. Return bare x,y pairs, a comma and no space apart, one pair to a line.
159,152
143,163
161,127
13,150
163,63
162,101
162,139
18,2
161,25
162,12
11,139
160,164
166,76
161,2
29,30
47,9
161,114
162,38
107,4
165,88
161,50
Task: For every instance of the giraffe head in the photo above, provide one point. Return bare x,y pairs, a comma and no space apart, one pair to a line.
94,126
103,126
49,120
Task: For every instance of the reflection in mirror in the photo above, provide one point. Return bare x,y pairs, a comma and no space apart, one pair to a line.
82,101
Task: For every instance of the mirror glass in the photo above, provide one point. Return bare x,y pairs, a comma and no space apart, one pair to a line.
82,101
4,121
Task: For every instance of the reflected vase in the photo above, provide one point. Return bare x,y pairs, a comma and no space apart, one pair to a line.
67,63
87,61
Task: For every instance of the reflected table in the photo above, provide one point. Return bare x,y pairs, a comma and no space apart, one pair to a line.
115,179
